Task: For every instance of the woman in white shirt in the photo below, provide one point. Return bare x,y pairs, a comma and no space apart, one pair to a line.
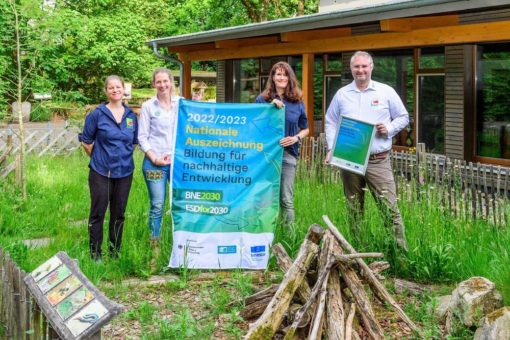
156,136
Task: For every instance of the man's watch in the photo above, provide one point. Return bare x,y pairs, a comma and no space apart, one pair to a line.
298,139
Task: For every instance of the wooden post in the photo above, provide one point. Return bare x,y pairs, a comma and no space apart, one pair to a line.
308,62
421,160
186,75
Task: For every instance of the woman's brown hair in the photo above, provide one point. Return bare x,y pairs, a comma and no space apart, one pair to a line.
292,91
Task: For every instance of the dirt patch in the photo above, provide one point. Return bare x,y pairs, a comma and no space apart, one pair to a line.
212,300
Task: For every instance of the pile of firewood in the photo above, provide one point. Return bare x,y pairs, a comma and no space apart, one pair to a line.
321,293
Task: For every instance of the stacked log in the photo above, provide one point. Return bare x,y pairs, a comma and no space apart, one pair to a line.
328,303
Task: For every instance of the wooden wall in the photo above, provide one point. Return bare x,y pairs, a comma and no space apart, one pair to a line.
454,101
220,81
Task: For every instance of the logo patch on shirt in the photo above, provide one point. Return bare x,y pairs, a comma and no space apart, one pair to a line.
375,102
157,113
129,123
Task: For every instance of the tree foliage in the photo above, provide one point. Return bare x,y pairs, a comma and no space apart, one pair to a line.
71,46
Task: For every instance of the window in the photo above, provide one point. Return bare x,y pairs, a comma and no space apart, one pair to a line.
431,58
246,80
430,113
332,83
493,105
396,68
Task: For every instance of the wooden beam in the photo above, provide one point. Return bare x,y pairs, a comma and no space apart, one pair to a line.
494,31
308,61
236,43
191,48
315,34
186,76
410,24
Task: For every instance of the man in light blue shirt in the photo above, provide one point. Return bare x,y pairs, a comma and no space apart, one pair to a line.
379,104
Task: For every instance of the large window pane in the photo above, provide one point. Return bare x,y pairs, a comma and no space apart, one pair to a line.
332,85
431,57
246,80
493,105
431,112
396,68
334,63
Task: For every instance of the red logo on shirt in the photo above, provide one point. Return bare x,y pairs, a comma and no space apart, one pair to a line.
375,102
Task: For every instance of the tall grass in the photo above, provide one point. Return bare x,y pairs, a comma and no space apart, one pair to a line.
442,248
58,207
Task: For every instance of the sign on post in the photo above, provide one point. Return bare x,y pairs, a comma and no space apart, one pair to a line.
75,308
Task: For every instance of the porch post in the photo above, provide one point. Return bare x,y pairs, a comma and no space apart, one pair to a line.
186,75
308,60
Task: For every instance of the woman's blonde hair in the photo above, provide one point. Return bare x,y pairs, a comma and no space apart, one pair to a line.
113,77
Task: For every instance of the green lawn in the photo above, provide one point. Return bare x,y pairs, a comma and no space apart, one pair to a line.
443,249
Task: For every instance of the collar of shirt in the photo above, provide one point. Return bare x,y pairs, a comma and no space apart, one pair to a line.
173,100
371,86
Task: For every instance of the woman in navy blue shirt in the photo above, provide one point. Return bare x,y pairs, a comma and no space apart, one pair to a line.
282,90
108,137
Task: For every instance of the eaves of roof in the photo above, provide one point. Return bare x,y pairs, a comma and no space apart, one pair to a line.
394,9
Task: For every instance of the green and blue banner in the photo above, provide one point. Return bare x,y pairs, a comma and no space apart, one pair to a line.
225,184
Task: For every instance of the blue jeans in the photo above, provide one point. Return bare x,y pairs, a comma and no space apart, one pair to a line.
289,164
156,178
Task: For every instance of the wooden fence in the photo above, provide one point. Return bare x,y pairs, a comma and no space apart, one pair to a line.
466,189
20,316
49,140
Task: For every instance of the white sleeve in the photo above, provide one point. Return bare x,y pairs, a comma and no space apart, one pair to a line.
144,126
398,113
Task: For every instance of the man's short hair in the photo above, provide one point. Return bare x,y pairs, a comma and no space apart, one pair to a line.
362,54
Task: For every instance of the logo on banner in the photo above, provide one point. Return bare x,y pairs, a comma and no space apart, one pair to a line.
258,251
227,249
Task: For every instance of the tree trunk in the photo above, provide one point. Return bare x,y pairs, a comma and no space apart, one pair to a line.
300,7
20,101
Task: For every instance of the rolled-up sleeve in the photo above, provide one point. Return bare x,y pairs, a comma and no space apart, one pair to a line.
89,129
144,127
332,120
398,113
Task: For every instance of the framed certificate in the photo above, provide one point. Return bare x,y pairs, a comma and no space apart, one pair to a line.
352,145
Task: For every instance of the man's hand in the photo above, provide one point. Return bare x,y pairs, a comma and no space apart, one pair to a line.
381,129
328,157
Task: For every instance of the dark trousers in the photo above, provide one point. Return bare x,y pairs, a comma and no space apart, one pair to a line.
104,191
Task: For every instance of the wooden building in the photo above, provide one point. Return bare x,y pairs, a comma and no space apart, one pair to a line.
449,60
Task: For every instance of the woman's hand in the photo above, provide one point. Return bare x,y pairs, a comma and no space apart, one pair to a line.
278,103
163,160
288,141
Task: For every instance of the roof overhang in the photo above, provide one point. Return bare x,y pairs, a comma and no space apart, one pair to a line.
399,9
